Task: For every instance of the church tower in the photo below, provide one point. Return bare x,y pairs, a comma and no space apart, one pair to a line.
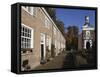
87,34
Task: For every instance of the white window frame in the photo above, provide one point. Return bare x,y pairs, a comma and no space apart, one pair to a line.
31,38
33,10
88,34
49,43
43,41
47,40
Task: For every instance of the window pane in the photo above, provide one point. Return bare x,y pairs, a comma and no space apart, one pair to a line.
23,29
28,34
26,37
27,30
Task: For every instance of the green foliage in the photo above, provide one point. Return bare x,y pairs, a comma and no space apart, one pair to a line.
60,25
51,12
58,22
72,37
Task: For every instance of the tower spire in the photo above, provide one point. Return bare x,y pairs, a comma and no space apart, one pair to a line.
87,20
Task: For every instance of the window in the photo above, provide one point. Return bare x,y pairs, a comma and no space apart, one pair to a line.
48,42
30,10
26,37
42,38
47,22
87,34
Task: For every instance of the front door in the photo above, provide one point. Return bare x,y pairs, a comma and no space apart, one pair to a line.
42,51
88,45
42,48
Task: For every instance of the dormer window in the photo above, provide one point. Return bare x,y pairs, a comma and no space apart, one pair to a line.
29,9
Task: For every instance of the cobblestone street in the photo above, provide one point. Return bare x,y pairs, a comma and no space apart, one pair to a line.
64,60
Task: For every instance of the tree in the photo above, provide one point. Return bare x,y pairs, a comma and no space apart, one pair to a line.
58,22
72,37
51,12
60,25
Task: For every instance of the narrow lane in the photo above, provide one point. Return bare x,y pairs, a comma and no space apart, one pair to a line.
64,60
56,63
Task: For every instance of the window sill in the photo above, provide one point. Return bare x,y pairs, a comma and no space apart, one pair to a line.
27,51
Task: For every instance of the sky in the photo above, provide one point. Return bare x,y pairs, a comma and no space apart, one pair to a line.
75,16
